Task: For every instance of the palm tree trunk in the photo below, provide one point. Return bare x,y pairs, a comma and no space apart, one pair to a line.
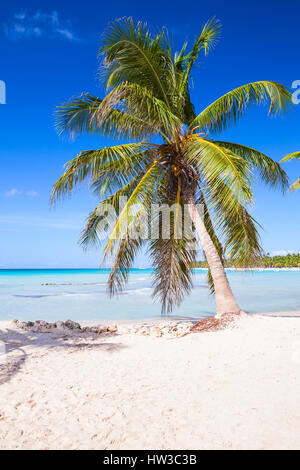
225,300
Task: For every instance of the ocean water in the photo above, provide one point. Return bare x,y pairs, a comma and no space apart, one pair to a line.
81,295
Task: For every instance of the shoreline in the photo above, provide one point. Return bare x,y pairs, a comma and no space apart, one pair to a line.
4,323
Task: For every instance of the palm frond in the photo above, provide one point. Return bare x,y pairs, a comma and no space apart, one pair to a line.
232,106
116,174
295,186
293,156
172,259
82,114
141,101
215,161
124,259
142,196
242,238
133,55
207,40
269,171
88,164
94,231
130,109
237,227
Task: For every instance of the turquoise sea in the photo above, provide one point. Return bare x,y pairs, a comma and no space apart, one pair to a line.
80,294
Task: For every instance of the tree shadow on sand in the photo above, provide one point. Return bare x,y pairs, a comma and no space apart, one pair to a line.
14,344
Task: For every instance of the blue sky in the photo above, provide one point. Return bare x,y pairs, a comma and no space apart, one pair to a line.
49,53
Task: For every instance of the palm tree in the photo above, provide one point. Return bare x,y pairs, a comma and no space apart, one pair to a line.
173,159
293,156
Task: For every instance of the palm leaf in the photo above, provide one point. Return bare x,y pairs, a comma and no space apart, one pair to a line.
215,161
293,156
124,259
94,231
236,226
295,185
207,39
82,114
141,101
172,260
88,164
132,55
116,174
270,171
232,106
142,194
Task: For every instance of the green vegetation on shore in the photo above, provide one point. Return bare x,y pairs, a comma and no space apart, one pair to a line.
266,261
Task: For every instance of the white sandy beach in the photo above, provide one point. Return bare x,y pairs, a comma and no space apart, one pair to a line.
233,389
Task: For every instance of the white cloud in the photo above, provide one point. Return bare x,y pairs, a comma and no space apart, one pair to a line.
16,192
21,15
65,33
13,192
39,24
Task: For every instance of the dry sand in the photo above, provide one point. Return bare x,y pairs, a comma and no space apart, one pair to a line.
233,389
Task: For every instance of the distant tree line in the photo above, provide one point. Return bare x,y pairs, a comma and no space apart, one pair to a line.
266,261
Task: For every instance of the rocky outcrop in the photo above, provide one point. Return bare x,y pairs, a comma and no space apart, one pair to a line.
158,329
